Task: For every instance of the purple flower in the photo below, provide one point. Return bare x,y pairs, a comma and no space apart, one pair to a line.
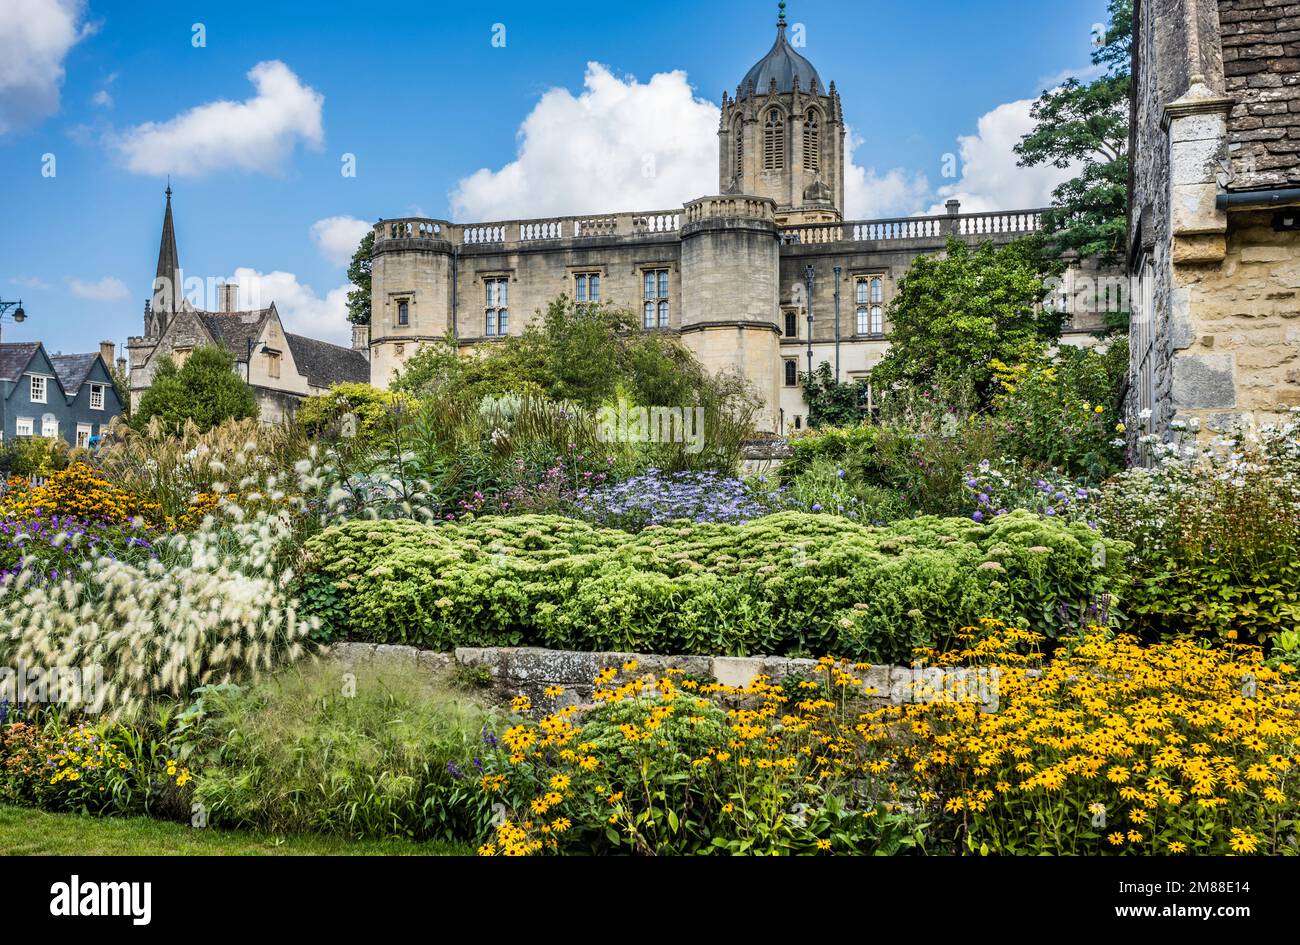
977,515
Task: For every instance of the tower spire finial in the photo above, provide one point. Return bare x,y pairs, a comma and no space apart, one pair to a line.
780,18
168,191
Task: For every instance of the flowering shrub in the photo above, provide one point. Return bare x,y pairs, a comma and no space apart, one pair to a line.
1107,747
998,488
1216,534
656,498
78,492
671,765
58,544
784,583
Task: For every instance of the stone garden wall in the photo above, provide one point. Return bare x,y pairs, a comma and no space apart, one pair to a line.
511,671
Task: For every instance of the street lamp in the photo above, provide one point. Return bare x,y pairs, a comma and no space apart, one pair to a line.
19,316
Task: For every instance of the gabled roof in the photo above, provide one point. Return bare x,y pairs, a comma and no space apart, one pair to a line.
325,364
14,358
234,331
73,369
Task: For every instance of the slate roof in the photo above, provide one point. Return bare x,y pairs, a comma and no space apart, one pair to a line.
325,364
14,358
784,65
234,330
73,369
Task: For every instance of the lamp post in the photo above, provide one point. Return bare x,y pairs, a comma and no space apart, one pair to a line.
19,316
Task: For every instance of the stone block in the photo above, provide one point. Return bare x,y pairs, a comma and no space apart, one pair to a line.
737,671
1204,380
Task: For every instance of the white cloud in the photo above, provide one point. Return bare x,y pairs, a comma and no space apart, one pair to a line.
35,37
869,194
337,237
301,309
30,282
620,144
990,178
102,99
107,289
257,134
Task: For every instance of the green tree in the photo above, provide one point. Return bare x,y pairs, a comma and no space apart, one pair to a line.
359,276
205,389
954,313
328,413
831,402
1086,125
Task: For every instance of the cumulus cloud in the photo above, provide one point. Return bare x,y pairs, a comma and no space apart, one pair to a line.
302,310
257,134
990,178
869,194
620,144
337,237
35,38
30,282
107,289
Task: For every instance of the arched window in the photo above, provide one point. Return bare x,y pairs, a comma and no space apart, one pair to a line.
739,134
774,141
811,142
791,374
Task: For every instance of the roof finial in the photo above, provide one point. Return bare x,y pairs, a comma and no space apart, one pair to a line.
780,19
169,188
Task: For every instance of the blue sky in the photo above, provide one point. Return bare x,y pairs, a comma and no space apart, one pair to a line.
422,97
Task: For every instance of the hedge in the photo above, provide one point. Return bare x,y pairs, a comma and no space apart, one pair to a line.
791,583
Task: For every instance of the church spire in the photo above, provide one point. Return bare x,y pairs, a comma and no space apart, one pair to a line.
167,280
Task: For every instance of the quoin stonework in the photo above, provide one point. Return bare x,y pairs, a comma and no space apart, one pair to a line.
1214,226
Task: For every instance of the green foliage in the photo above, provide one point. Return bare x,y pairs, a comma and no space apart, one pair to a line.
303,752
1216,542
359,276
956,313
329,413
787,583
33,456
1064,412
832,402
1086,125
205,390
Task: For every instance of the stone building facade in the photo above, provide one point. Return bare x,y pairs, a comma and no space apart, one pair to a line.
282,368
764,278
1214,224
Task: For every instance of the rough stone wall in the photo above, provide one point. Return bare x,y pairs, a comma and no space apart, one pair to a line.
1261,63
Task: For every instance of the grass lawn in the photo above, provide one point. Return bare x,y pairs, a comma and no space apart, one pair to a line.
30,832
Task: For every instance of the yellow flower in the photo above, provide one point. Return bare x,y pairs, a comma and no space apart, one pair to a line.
823,844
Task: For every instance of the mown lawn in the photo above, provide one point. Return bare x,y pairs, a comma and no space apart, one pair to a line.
28,832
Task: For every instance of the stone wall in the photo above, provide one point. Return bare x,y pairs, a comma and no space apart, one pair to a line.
1261,62
528,671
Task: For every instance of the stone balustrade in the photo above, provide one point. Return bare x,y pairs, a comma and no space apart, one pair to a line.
1008,223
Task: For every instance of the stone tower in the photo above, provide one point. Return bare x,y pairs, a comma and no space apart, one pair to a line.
782,137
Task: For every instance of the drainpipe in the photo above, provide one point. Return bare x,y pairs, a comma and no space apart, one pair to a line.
836,270
1257,198
808,286
455,281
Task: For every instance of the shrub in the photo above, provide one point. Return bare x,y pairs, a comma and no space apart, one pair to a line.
669,766
33,456
1216,536
790,582
382,754
998,488
1108,747
205,391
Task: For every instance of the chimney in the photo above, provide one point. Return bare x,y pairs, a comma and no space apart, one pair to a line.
361,339
229,297
121,365
107,350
